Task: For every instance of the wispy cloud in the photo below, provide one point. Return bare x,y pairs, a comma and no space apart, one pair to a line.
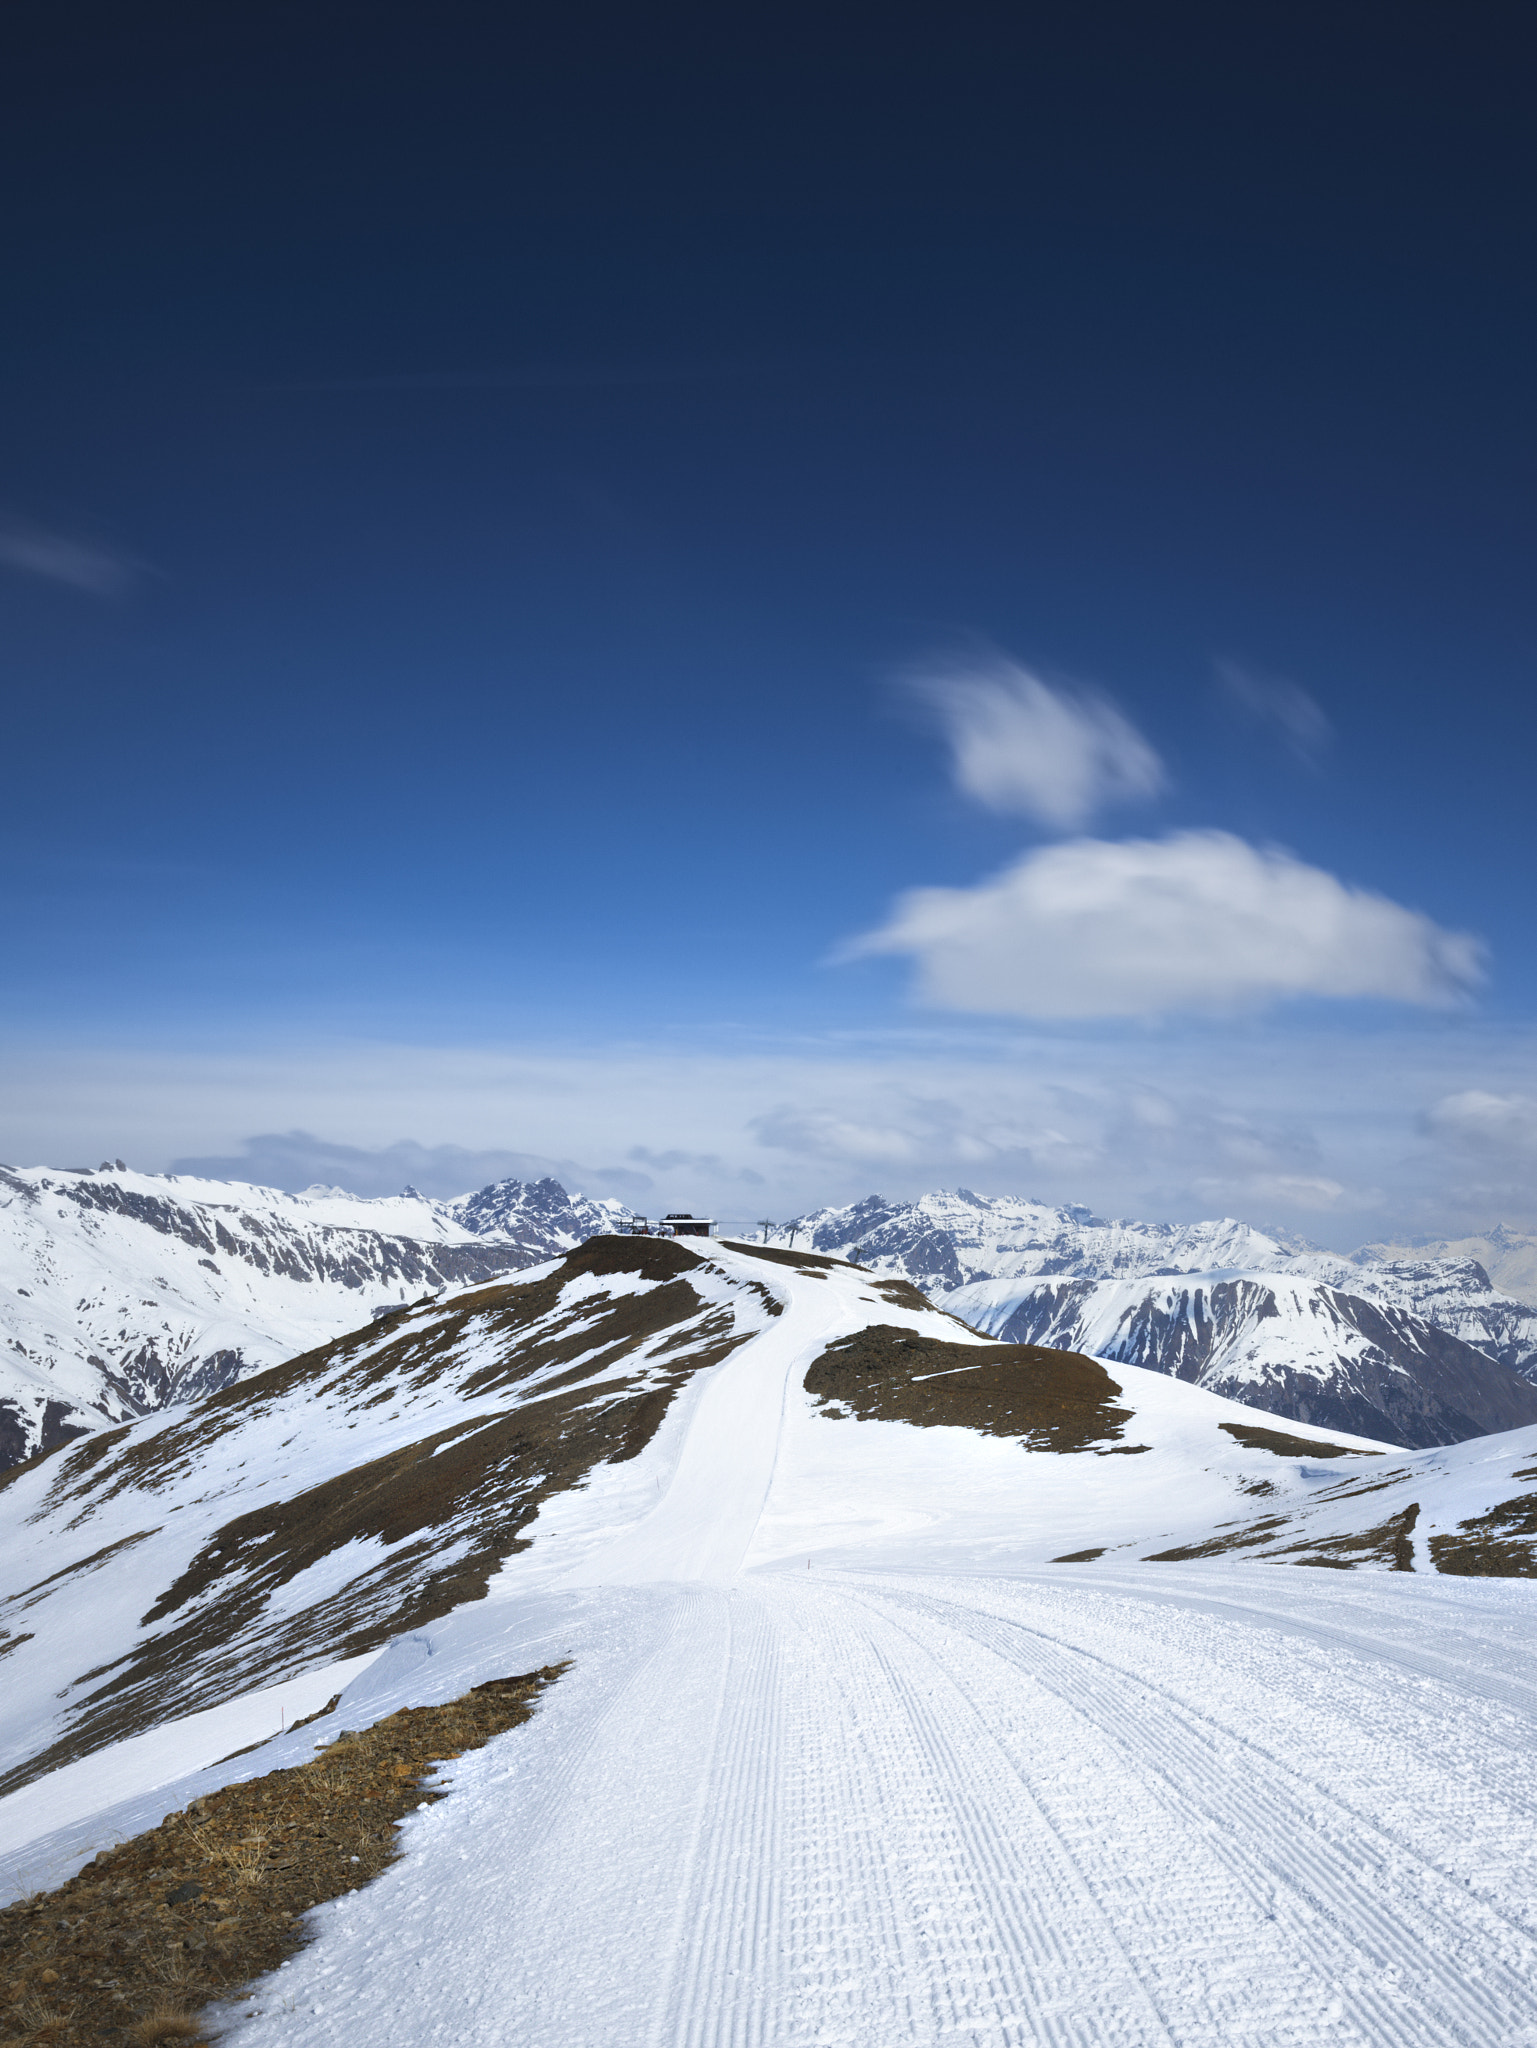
1283,706
1480,1157
1479,1121
1308,1126
32,551
1198,921
1054,754
708,1163
298,1159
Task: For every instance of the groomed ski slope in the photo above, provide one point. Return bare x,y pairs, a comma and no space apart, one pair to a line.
841,1762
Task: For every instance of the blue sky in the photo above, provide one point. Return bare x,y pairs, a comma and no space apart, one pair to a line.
522,545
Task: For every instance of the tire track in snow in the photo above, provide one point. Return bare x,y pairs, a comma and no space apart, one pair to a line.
1460,1656
1329,1796
1033,1916
726,1908
921,1895
1468,1980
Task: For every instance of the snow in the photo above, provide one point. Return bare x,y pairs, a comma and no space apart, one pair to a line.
843,1759
1508,1256
86,1563
49,1828
1283,1322
884,1807
973,1251
121,1292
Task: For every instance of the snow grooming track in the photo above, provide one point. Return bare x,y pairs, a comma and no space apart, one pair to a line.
1364,1906
1009,1938
948,1805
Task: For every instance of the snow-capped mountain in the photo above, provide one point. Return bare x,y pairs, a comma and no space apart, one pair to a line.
326,1505
1416,1350
1509,1257
121,1292
1277,1341
944,1240
860,1618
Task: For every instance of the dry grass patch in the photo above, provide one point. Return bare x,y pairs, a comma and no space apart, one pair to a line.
1499,1545
165,2023
1049,1400
1392,1544
150,1932
1280,1445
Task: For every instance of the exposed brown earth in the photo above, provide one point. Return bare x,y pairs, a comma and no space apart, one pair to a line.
903,1294
812,1263
1049,1400
190,1911
900,1293
1391,1543
1248,1538
1284,1446
450,1504
1499,1545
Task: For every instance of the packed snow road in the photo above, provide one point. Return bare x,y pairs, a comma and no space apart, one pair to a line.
791,1802
817,1807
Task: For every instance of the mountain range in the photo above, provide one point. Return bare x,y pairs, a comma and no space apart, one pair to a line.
122,1292
321,1508
1411,1349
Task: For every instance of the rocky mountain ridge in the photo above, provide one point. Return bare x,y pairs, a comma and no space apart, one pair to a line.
1509,1257
123,1292
1414,1350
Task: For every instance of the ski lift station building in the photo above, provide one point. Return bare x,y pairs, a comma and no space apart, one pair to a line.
676,1223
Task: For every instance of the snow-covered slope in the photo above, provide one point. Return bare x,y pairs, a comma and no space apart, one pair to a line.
842,1755
1419,1350
121,1292
321,1507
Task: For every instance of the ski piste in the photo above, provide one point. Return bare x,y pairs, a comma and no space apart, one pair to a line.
842,1755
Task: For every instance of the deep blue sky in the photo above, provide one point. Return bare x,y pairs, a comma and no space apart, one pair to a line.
474,481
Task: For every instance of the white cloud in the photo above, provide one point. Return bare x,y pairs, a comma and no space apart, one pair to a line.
1259,1122
1284,706
298,1159
1481,1122
1261,1193
58,559
1199,921
1055,755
